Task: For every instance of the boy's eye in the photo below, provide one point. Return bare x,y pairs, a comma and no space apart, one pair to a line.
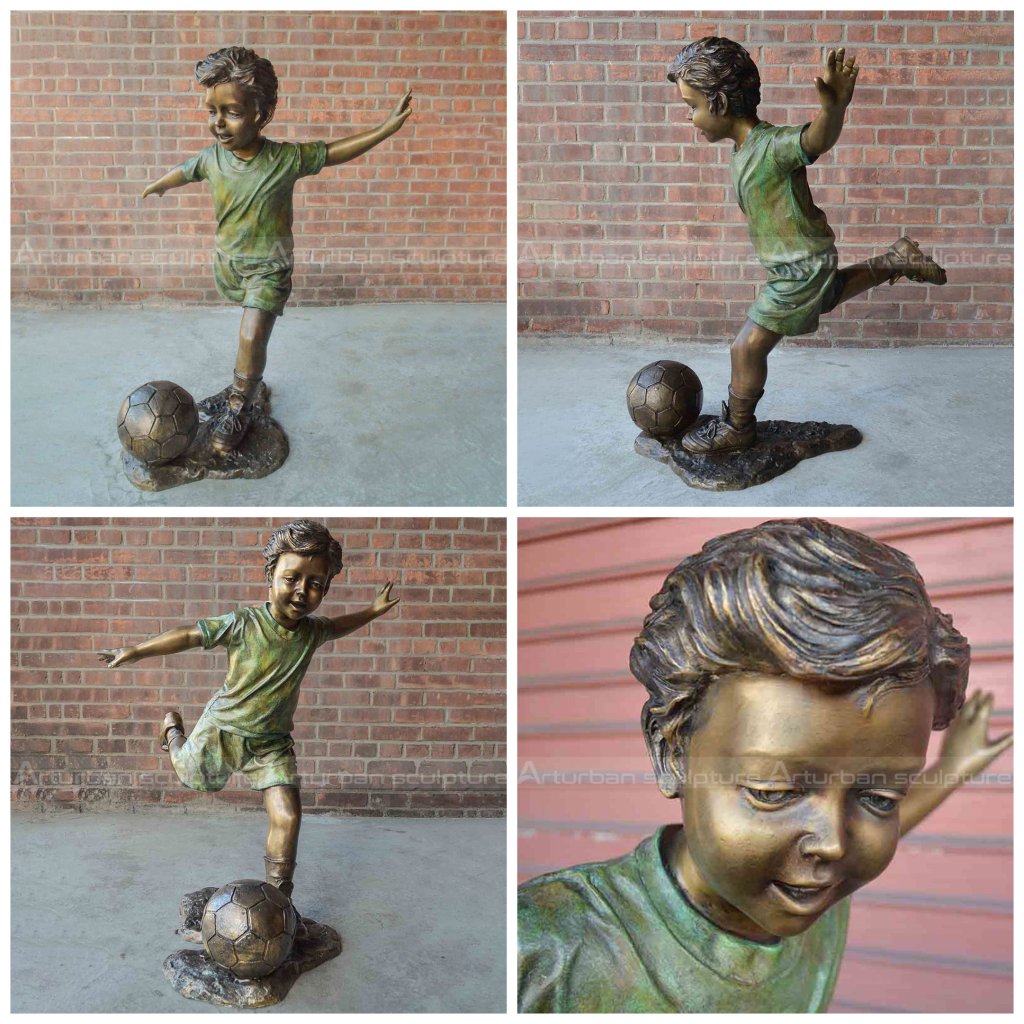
880,803
771,797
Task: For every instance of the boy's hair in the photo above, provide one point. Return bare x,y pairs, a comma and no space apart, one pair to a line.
800,598
723,71
240,65
303,537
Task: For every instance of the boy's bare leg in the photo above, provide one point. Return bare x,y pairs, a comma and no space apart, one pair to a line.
251,360
284,809
749,357
903,259
253,336
737,427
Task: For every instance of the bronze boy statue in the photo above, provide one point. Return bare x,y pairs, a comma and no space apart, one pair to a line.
792,238
247,724
252,179
794,672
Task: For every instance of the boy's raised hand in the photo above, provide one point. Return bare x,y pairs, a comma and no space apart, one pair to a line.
402,110
835,88
384,602
150,190
117,657
966,748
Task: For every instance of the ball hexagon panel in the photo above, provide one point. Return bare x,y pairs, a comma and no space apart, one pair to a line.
158,422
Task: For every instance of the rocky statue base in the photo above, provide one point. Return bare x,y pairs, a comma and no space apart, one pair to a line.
263,450
195,976
780,446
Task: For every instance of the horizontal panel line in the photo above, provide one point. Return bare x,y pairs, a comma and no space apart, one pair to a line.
992,844
846,1004
578,526
930,960
880,531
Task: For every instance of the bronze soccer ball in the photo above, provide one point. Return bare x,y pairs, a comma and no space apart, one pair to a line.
664,398
249,928
157,422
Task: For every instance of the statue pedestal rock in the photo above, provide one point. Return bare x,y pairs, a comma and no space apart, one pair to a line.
262,451
780,446
196,976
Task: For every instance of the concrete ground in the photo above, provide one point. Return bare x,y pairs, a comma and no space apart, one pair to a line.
937,425
396,404
419,905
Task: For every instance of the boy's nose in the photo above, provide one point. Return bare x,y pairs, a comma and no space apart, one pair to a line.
825,837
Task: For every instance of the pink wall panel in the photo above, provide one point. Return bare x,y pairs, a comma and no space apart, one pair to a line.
934,931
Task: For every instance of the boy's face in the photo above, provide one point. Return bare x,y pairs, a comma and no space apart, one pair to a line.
791,798
298,587
714,127
233,116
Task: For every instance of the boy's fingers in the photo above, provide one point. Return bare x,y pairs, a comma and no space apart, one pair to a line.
1003,743
830,59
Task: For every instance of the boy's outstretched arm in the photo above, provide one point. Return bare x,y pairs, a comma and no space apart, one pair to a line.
172,179
355,145
171,642
835,90
383,602
966,750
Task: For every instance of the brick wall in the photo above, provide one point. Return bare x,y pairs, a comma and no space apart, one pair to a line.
628,224
105,103
403,717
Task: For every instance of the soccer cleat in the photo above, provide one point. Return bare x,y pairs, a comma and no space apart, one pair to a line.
232,426
717,436
906,260
172,720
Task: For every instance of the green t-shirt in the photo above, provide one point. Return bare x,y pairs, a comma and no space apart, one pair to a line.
252,199
769,172
619,937
266,663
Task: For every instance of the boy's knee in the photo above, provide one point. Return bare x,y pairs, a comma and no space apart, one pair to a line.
754,343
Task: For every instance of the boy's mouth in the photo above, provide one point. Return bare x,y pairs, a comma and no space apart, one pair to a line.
808,898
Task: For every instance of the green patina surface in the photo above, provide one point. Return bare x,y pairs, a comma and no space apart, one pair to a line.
791,236
266,664
252,199
618,936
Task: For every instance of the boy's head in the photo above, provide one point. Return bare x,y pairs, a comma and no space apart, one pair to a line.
301,560
241,94
721,72
794,673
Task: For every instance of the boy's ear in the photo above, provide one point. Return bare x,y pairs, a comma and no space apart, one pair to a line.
665,758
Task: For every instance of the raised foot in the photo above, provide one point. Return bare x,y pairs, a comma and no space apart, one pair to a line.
907,260
172,720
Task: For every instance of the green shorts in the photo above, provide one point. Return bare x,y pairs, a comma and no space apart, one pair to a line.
207,759
797,294
258,284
